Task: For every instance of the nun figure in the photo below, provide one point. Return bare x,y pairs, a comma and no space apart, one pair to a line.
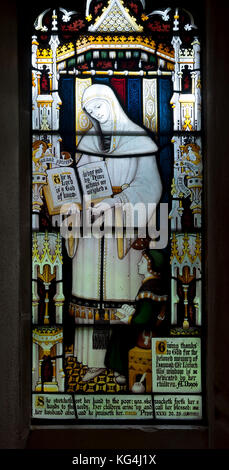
104,275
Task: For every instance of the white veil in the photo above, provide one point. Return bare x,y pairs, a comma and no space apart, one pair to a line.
127,138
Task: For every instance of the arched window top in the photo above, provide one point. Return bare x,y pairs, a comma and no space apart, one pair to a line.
115,16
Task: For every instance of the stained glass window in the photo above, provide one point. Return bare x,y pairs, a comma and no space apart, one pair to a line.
117,318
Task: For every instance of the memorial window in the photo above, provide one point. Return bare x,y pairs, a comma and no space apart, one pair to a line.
117,172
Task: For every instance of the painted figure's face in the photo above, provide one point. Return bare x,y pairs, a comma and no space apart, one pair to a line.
191,154
98,109
39,152
143,266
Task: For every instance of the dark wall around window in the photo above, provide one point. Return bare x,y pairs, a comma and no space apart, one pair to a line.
15,299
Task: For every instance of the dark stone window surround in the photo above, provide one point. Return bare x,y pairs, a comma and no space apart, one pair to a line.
15,301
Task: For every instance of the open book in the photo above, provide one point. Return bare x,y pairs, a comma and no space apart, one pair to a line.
63,187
